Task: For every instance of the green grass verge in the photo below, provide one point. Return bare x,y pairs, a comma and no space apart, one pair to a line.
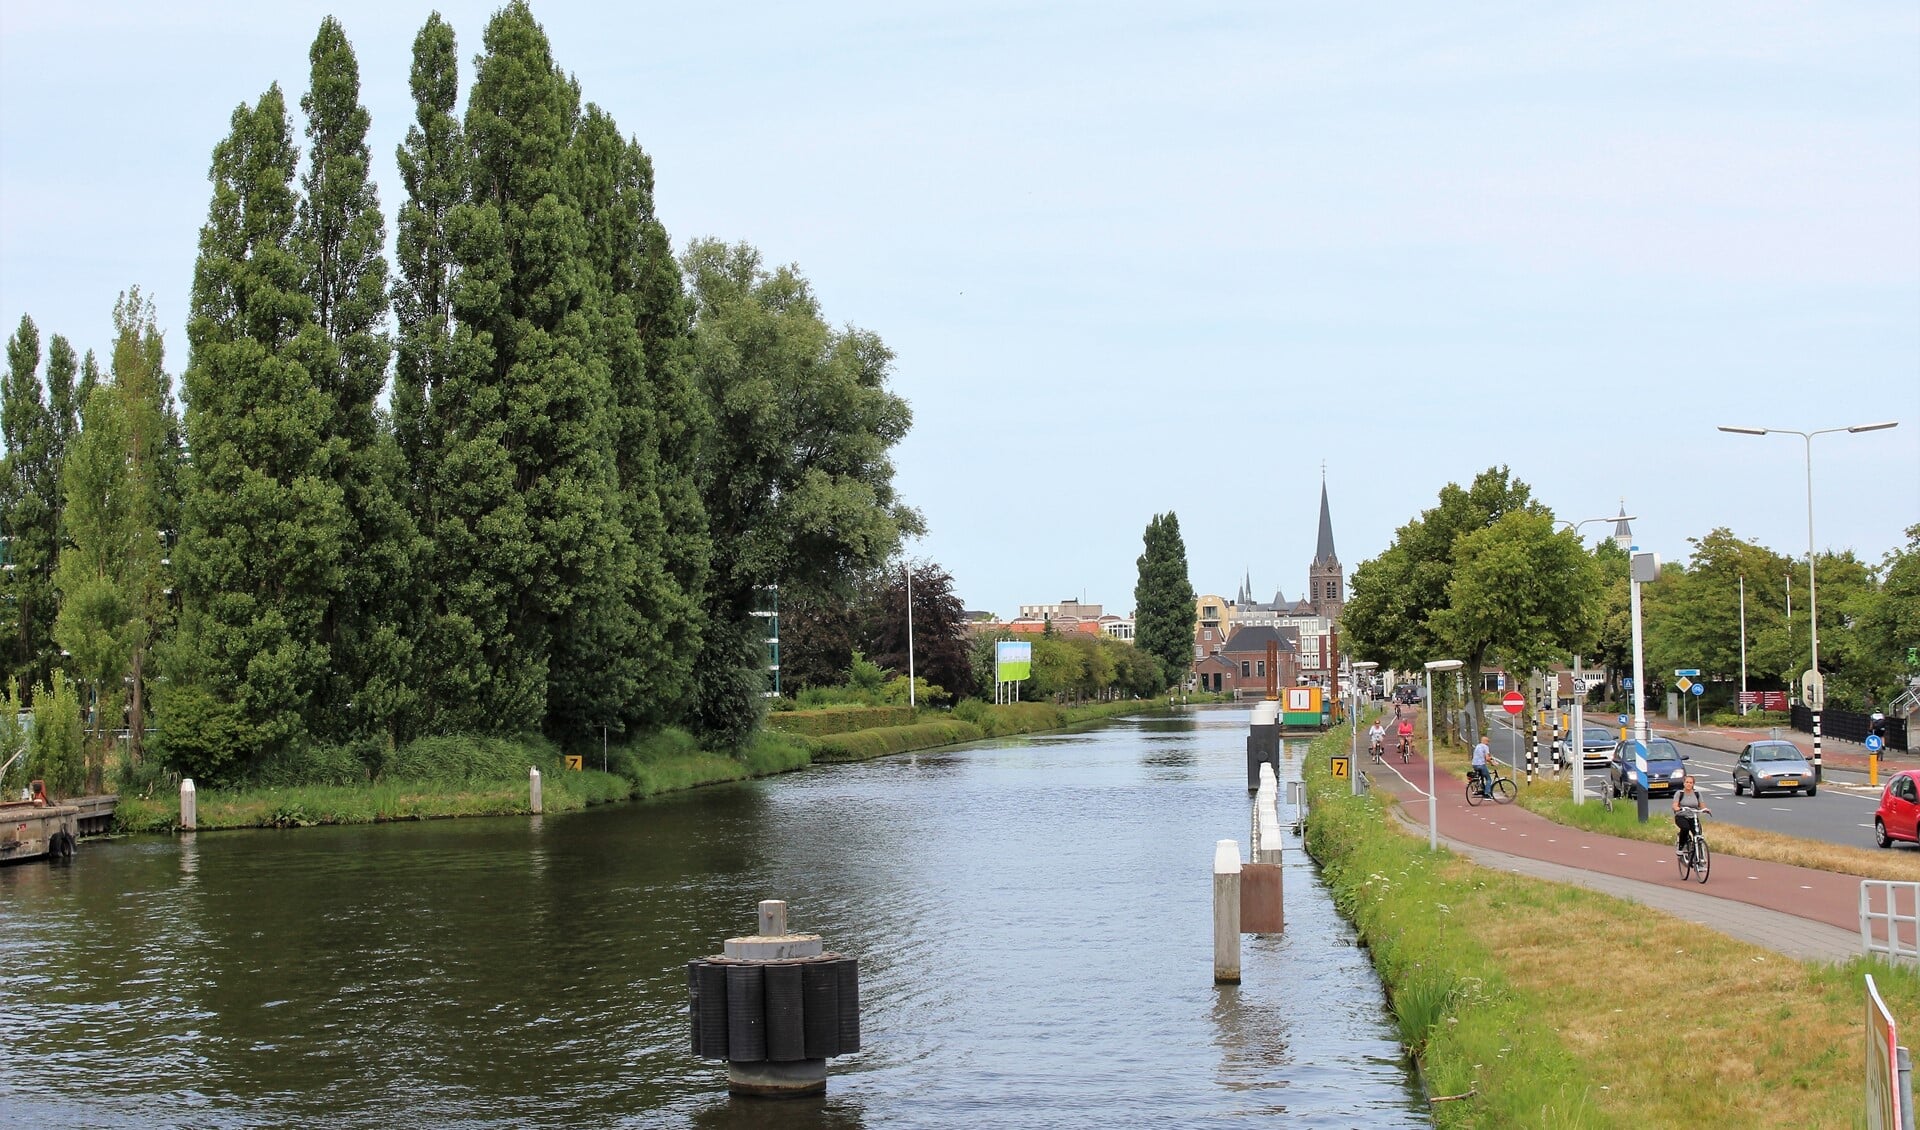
1509,987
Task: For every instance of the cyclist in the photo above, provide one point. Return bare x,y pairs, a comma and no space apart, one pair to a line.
1377,739
1480,772
1406,737
1687,805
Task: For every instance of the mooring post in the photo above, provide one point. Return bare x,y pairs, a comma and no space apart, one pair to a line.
533,791
189,806
1226,912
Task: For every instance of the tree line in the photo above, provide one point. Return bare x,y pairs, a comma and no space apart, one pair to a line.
532,476
1488,575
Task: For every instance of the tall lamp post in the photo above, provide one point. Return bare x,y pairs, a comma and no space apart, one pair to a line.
1433,805
1353,675
1814,689
1577,728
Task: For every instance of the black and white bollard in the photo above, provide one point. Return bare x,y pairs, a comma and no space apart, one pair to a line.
775,1006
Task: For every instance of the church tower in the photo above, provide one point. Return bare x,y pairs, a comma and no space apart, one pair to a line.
1326,583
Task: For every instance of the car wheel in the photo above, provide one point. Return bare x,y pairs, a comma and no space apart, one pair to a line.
1738,788
1813,790
1880,833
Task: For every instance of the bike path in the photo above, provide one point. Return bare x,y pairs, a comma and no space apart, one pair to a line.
1750,899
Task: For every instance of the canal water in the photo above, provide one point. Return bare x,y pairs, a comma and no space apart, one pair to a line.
1033,918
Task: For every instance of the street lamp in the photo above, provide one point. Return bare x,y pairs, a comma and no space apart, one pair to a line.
1433,806
1813,688
1354,669
1579,718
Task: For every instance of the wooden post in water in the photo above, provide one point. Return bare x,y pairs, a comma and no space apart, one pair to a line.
533,791
1226,912
189,806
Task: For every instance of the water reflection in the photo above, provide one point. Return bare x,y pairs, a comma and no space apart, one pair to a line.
1032,916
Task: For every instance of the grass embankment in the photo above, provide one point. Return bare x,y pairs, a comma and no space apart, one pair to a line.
444,777
1553,799
1561,1007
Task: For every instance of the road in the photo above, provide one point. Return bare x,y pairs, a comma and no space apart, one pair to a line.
1841,813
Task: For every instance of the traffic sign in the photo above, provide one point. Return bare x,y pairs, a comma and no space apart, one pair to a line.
1873,743
1500,681
1514,703
1627,682
1340,768
575,762
1623,719
1685,671
1698,689
1685,684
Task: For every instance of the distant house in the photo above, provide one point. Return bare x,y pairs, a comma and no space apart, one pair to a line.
1245,654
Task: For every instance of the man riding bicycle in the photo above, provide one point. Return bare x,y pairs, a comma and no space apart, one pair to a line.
1687,807
1480,773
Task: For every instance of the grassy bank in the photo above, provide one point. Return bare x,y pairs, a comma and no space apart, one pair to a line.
1553,799
1561,1007
436,782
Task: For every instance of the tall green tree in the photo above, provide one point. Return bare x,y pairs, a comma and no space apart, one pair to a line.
119,476
797,475
339,239
1886,625
1519,590
536,533
30,502
1692,617
1163,598
265,526
459,483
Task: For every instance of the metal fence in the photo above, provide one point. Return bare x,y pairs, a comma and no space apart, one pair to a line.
1849,726
1884,929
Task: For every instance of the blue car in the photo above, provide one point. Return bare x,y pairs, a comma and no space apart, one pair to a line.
1664,768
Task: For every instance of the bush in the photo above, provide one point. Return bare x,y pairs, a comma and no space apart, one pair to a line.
1010,718
863,744
1755,718
463,758
839,719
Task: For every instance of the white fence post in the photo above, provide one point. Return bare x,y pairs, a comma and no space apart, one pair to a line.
1902,930
1226,912
533,791
189,805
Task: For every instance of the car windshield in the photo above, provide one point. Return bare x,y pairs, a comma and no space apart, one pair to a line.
1660,750
1775,753
1596,734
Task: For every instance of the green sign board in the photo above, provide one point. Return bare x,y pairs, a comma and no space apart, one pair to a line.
1012,661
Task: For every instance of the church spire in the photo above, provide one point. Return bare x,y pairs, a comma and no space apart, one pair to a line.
1323,552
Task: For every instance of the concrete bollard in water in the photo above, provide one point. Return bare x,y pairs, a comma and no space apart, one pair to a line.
775,1006
1226,912
189,805
533,792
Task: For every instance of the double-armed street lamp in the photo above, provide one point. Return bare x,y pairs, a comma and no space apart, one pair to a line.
1433,805
1813,690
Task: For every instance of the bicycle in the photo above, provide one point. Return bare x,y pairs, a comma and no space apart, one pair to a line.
1406,750
1697,857
1378,748
1502,790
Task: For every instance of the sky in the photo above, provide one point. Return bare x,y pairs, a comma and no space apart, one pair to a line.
1146,257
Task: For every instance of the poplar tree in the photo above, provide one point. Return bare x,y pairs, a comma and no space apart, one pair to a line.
650,632
1163,608
451,472
339,239
264,522
530,388
29,512
117,477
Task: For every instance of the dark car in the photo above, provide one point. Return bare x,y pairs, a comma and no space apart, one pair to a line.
1772,766
1898,817
1664,769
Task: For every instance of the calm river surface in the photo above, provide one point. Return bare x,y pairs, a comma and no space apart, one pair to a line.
1033,919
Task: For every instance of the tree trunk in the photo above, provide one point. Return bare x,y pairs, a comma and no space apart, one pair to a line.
136,709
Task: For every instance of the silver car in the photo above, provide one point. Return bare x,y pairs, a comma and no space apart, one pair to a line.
1772,766
1596,745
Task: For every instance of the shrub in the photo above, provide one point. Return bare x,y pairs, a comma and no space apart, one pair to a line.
1757,718
464,758
863,744
839,719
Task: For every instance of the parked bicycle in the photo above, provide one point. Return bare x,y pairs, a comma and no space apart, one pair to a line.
1697,858
1498,788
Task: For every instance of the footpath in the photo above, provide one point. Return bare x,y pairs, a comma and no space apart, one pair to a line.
1797,911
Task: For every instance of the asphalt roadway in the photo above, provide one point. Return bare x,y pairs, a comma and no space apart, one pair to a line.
1840,813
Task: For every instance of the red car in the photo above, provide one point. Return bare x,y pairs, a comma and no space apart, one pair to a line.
1898,817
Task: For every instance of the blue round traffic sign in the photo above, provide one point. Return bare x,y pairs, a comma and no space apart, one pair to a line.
1698,689
1873,743
1623,719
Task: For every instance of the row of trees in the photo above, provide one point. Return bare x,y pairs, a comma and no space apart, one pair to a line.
597,453
1488,574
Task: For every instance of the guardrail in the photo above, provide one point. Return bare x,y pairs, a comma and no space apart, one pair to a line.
1899,939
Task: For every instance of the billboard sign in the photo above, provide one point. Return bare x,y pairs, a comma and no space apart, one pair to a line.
1012,661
